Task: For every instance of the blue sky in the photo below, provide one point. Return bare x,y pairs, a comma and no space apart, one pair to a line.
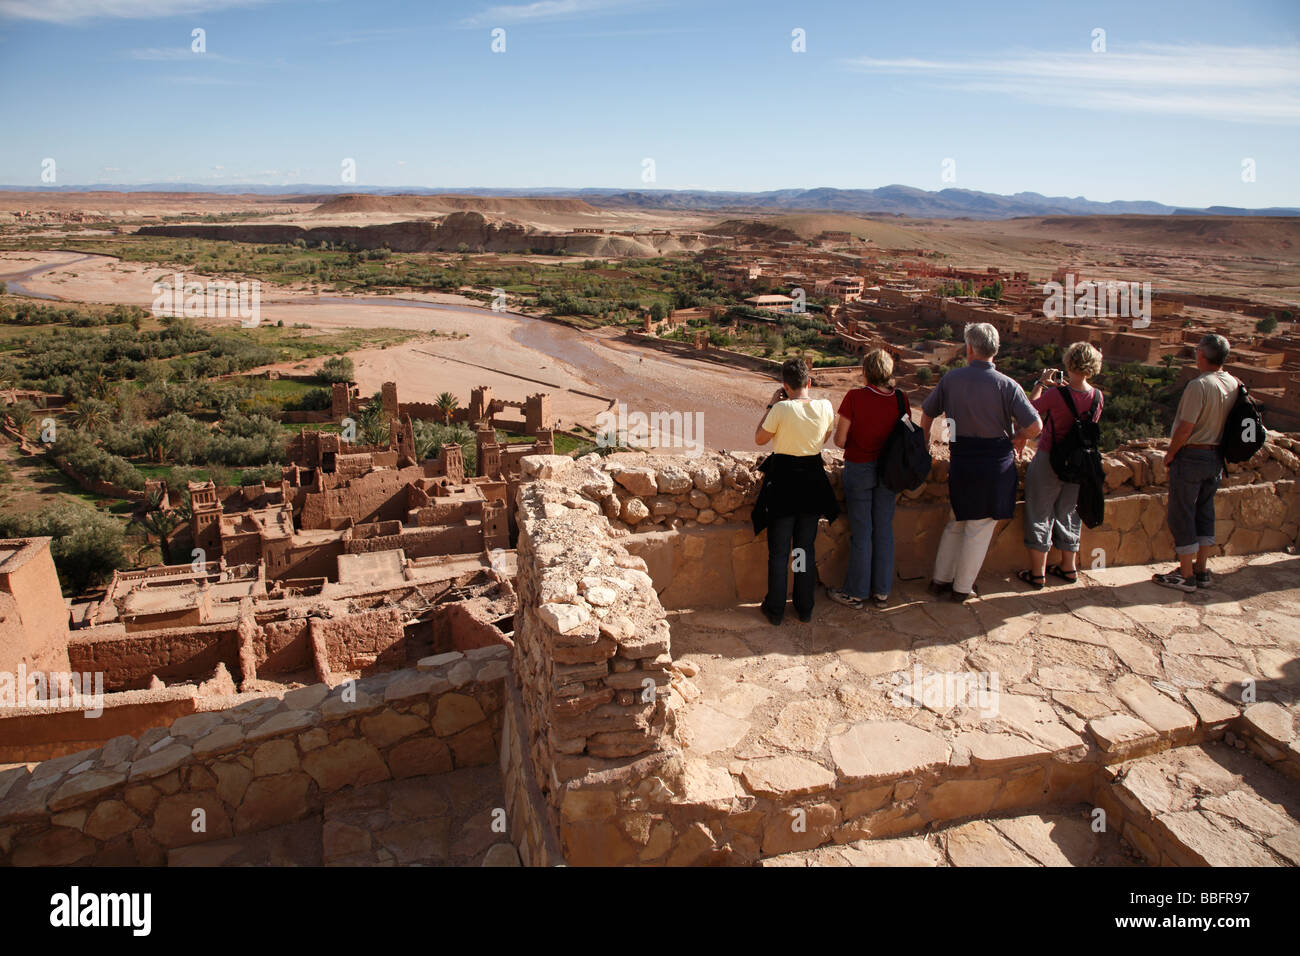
710,90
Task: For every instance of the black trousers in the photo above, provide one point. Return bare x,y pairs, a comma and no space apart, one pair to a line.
792,532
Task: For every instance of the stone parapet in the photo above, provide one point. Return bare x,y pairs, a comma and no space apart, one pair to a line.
270,761
592,653
689,518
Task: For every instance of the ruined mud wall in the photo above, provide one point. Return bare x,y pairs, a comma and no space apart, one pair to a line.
283,647
128,661
264,763
33,617
29,734
361,640
423,543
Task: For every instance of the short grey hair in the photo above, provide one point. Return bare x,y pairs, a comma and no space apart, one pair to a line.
1214,348
982,338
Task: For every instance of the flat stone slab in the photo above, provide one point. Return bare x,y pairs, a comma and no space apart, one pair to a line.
883,749
1272,721
999,751
785,776
980,844
904,851
1153,707
707,730
704,785
1210,708
1209,845
1034,718
1052,840
1119,733
802,725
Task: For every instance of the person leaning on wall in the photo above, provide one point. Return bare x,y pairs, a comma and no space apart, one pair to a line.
795,492
866,420
988,420
1051,505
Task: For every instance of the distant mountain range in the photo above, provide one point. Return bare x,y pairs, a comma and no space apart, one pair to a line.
887,200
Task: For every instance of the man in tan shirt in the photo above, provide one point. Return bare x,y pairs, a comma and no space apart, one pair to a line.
1196,464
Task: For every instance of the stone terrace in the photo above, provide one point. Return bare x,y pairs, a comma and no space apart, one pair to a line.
1034,839
821,720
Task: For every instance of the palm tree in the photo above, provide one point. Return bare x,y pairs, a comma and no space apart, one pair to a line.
159,523
91,415
427,442
155,444
446,404
374,430
22,413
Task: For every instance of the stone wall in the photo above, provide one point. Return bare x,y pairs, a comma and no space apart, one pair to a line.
269,761
652,803
689,518
591,655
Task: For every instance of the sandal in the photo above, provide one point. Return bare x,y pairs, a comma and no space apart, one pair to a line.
1069,577
840,596
1035,581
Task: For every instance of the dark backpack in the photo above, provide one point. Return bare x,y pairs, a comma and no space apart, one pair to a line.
1070,453
905,457
1243,432
1076,458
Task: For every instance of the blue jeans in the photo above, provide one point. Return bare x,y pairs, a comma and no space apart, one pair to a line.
784,533
1193,479
871,518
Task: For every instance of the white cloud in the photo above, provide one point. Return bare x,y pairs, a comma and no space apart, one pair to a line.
176,54
1244,84
543,10
70,11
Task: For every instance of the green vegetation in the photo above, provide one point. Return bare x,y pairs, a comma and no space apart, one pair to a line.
87,546
1267,325
1140,399
337,368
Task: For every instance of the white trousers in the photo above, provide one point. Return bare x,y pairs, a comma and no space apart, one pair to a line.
961,551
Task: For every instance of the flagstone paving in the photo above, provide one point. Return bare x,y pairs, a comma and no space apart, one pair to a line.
1059,838
1110,669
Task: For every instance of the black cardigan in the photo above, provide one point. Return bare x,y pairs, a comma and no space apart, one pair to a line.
794,484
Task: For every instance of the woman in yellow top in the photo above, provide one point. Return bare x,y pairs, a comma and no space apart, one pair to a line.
795,491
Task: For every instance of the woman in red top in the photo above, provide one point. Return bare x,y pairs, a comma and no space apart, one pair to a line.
867,416
1051,505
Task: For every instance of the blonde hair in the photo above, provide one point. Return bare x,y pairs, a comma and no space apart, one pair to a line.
879,367
1082,357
